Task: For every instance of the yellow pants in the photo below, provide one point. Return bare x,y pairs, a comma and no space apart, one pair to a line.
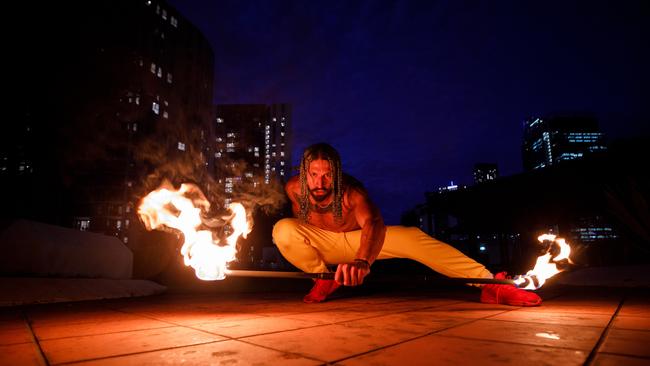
311,249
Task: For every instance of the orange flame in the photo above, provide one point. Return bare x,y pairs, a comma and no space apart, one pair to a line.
181,209
546,265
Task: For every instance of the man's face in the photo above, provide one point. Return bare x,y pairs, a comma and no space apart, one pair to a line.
319,179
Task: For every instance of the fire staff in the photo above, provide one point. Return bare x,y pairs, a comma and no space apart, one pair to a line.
337,223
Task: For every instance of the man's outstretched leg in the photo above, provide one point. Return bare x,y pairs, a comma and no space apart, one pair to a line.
413,243
508,294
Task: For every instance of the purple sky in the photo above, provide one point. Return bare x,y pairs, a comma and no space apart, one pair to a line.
414,93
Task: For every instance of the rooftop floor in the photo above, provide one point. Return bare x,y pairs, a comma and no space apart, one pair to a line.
444,326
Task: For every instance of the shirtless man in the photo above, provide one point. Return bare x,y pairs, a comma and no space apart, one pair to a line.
337,223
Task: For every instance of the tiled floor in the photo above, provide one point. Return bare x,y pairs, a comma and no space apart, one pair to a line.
574,326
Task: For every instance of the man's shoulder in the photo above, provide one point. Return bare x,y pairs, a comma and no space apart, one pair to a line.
292,187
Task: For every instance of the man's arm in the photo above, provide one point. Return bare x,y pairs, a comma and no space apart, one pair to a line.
373,232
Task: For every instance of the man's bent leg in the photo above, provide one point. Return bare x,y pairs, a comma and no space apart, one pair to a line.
310,248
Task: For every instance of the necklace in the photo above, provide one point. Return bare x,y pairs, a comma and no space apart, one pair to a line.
322,209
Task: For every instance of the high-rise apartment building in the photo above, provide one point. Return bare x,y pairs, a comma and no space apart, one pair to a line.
257,135
550,140
484,172
110,93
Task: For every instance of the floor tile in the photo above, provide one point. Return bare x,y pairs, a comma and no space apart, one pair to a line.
220,353
332,342
603,359
13,333
193,317
583,306
636,308
257,326
552,335
114,344
627,342
20,354
595,320
49,331
75,316
335,316
465,310
438,350
631,322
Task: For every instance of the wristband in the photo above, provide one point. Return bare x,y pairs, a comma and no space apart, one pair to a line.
362,260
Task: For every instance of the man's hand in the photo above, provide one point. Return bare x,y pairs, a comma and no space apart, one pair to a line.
352,274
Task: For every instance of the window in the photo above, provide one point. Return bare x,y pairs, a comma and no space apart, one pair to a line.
165,114
169,77
155,107
159,73
153,67
174,21
181,146
164,14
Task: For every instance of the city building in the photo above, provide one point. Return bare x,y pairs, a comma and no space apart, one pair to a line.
110,93
252,155
550,140
256,137
485,172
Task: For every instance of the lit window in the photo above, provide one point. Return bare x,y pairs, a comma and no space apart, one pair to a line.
181,146
159,73
169,77
165,114
153,67
155,107
137,100
281,153
230,134
219,120
230,144
217,155
164,14
135,127
174,21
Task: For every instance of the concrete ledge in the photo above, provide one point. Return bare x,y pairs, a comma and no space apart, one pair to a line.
22,291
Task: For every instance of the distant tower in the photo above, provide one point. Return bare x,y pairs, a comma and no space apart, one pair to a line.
484,172
548,141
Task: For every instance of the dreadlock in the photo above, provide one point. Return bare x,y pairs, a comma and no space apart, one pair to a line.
321,151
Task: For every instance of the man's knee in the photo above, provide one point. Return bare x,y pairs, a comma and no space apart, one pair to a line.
283,231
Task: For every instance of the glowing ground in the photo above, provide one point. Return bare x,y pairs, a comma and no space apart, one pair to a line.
574,326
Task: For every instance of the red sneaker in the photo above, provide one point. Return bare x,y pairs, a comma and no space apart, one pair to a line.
320,291
508,294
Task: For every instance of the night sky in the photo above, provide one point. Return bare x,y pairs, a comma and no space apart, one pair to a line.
414,93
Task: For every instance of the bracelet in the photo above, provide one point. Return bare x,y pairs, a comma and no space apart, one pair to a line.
362,260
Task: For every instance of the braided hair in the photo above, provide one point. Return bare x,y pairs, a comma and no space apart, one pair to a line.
321,151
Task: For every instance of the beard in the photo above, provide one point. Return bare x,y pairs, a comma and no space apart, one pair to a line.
320,195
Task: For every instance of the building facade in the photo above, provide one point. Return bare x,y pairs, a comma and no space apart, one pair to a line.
111,92
550,140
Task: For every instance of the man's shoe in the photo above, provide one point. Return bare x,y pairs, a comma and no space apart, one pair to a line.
508,294
320,291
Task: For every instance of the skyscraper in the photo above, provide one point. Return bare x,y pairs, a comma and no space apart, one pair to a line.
550,140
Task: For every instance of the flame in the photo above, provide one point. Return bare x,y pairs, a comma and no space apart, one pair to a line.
181,209
546,265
